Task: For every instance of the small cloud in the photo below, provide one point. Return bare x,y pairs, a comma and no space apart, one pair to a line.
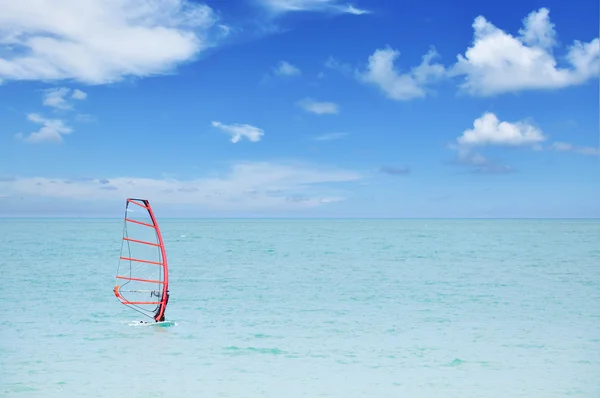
85,118
330,6
330,136
488,130
301,199
350,9
396,171
581,150
57,97
337,65
590,151
478,163
52,130
318,108
104,181
561,147
224,29
78,94
188,189
239,131
398,86
493,168
499,62
284,68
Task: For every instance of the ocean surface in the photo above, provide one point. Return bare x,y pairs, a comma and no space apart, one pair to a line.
307,308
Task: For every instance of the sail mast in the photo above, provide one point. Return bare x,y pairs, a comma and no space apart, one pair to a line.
160,316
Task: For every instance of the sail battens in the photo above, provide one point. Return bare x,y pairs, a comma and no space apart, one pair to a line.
137,260
140,223
143,269
128,278
136,203
141,242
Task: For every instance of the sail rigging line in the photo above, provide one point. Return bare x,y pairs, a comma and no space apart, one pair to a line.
149,277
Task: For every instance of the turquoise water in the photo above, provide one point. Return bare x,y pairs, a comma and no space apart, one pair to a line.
307,308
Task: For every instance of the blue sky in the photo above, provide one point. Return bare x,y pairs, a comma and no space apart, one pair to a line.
300,108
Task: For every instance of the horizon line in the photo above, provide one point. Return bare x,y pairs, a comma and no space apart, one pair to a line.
306,218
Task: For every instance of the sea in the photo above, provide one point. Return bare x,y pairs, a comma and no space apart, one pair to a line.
307,308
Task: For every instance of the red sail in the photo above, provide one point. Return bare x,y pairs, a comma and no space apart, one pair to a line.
143,274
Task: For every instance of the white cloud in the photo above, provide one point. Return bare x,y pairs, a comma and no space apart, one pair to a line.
239,131
466,156
350,9
52,130
333,6
488,130
566,147
57,97
284,68
99,42
247,186
85,118
499,62
330,136
318,108
78,94
398,86
478,163
588,150
335,64
224,29
395,170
